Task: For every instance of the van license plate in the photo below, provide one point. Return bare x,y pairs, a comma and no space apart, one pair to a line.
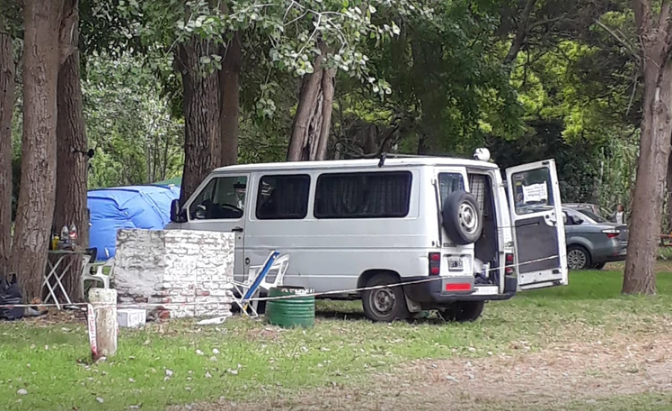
455,264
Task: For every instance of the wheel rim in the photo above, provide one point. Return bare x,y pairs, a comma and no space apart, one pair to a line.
467,217
382,301
576,259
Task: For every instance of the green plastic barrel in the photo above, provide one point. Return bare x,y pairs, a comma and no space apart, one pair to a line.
296,309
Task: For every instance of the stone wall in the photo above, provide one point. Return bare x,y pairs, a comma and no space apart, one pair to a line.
188,273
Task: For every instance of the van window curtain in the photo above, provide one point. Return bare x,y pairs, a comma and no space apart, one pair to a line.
363,195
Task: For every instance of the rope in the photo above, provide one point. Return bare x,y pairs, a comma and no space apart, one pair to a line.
284,297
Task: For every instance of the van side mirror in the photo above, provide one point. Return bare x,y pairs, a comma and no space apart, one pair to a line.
175,209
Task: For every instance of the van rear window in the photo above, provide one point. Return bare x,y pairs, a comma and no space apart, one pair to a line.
448,183
385,194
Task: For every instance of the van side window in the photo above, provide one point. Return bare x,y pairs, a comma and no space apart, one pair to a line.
363,195
222,198
283,197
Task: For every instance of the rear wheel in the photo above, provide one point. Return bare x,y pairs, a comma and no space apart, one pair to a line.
578,258
463,311
384,304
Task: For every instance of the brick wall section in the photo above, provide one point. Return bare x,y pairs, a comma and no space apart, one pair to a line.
174,267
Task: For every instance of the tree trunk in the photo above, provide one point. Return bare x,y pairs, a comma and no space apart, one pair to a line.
35,208
429,142
669,195
201,116
72,163
229,83
312,122
645,220
371,140
7,85
521,34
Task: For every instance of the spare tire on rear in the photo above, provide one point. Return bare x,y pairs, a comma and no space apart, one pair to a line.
462,218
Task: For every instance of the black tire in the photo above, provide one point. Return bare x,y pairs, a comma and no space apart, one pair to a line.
578,258
375,301
599,266
462,218
463,311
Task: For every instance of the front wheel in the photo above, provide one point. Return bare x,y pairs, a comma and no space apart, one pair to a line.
384,304
463,311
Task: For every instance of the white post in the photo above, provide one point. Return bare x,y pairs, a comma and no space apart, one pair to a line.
104,302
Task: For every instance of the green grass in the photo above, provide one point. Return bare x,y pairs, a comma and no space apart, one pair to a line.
50,361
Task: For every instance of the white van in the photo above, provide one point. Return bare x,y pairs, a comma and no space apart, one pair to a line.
440,226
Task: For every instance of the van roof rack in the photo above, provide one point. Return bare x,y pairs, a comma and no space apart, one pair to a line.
384,156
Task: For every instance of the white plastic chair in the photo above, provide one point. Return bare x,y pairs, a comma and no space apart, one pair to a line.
99,276
256,280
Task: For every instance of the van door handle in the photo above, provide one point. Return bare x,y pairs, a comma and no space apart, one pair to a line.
237,229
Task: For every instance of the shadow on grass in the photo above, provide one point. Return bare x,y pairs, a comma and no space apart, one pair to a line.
334,314
359,316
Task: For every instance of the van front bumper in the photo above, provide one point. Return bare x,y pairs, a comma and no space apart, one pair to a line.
445,290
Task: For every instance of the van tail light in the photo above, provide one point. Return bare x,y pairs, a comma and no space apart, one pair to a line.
508,270
611,232
434,263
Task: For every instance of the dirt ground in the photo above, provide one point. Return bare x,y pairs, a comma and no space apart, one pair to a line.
580,373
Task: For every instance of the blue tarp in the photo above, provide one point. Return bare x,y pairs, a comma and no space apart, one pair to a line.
146,207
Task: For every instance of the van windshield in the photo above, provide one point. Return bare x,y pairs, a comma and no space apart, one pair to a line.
222,198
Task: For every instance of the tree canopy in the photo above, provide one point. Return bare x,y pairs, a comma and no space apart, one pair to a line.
174,88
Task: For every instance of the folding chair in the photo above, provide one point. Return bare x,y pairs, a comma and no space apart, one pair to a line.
256,280
279,267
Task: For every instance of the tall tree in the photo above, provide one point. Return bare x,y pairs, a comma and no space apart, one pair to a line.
340,31
201,113
7,86
229,83
193,31
71,158
654,28
312,122
540,25
35,209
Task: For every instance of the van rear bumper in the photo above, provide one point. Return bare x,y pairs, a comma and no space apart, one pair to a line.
442,290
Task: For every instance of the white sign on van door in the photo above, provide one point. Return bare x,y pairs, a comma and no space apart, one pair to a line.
535,193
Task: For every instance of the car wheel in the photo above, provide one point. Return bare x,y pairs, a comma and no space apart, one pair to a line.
462,218
599,266
578,258
384,304
463,311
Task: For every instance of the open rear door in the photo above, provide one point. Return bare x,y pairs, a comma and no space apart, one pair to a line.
538,226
